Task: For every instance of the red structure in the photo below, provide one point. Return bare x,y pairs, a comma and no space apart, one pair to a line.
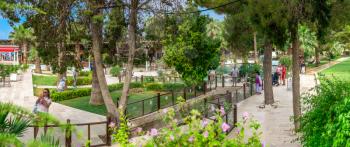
9,54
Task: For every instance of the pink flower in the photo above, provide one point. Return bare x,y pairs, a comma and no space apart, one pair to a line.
225,127
172,137
191,139
245,116
238,131
222,111
112,125
154,132
263,144
206,134
165,110
138,130
204,123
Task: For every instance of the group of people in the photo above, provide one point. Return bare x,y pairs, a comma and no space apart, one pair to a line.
258,80
279,76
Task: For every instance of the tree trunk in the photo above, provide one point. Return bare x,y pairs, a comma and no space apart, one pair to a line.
37,65
77,54
296,77
96,94
132,48
268,91
62,70
25,53
96,32
317,56
256,55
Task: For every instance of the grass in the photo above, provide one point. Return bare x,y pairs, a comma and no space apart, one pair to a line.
82,103
340,70
44,80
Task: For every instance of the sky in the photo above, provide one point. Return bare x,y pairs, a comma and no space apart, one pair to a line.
5,27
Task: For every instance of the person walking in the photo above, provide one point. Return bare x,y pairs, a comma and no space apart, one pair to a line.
234,74
279,73
258,83
61,85
284,74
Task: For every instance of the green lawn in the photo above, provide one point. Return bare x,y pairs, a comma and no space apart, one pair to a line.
340,70
82,103
44,80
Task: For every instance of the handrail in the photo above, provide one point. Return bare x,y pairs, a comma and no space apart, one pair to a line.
77,124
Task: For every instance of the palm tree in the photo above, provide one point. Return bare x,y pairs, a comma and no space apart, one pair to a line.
23,36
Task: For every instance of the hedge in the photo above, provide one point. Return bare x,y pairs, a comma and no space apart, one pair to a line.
70,94
154,86
85,74
173,86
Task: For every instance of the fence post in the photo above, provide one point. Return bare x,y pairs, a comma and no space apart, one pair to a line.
158,100
206,108
251,89
244,90
120,79
216,81
205,87
185,94
262,85
141,78
236,96
195,91
228,96
235,114
89,135
223,81
143,107
108,132
68,134
173,96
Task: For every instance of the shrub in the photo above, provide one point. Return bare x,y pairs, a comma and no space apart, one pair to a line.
66,95
85,73
80,81
173,86
115,71
136,90
223,70
136,85
148,79
115,87
326,119
154,86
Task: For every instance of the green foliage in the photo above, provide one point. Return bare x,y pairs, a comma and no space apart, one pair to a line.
47,140
148,79
190,51
202,132
85,74
173,86
24,67
80,81
286,61
115,71
308,41
154,86
65,95
121,134
326,119
6,70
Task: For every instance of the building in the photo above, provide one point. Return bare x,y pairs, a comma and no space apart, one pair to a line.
9,53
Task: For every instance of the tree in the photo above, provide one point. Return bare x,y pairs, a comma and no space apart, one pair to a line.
190,51
96,94
96,26
132,47
24,37
308,41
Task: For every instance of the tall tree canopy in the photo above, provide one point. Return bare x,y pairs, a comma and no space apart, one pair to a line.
191,51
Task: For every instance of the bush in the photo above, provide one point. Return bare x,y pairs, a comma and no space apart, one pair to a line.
136,85
223,70
154,86
173,86
148,79
115,87
66,95
80,81
326,119
85,73
115,71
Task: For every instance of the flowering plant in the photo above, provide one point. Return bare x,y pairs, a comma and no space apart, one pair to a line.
204,132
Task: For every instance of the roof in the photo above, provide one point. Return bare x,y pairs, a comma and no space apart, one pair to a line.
9,48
